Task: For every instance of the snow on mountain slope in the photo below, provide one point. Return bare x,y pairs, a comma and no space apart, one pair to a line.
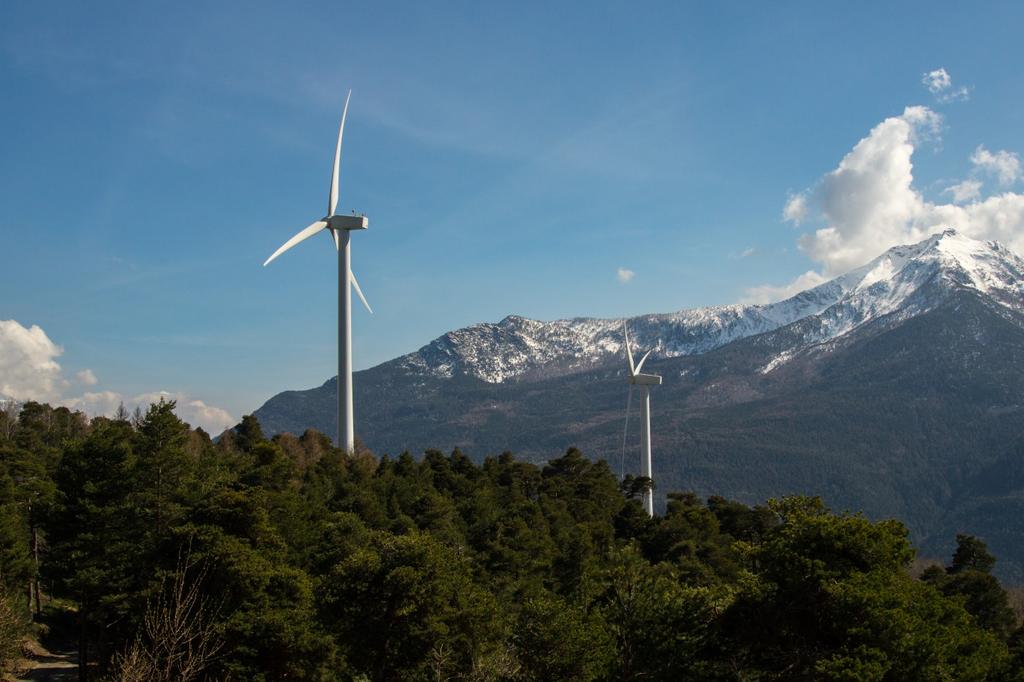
517,347
907,280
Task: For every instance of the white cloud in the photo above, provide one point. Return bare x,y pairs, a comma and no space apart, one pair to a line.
213,419
936,81
925,124
87,378
192,410
869,203
625,275
767,293
968,190
29,371
795,210
28,365
961,94
1004,165
96,404
745,253
999,217
940,84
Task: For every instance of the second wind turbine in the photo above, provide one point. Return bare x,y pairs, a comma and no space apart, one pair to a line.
340,227
644,381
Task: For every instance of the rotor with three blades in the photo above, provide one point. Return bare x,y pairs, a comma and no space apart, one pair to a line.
332,221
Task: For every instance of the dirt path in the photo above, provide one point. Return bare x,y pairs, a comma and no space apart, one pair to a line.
46,666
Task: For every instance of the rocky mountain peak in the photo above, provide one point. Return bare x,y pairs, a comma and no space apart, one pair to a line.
906,280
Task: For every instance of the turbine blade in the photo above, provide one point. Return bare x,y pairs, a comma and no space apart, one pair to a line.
641,363
625,432
359,292
337,241
629,353
301,236
332,200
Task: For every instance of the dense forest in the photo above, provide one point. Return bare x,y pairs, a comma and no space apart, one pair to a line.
167,556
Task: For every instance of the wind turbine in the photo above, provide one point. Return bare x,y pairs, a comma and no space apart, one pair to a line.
644,381
340,227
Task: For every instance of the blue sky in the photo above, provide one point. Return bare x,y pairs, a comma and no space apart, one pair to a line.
513,158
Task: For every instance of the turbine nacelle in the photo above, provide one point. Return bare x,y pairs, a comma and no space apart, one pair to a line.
347,222
338,227
333,222
637,378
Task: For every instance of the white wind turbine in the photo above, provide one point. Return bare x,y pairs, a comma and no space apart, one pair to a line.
644,381
340,226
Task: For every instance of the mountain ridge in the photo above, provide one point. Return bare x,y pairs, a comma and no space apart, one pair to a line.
520,348
900,396
903,282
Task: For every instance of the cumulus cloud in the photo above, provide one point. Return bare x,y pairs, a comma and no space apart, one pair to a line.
87,378
936,81
869,203
28,363
192,410
940,84
625,275
1004,165
795,210
29,371
968,190
96,404
768,293
924,123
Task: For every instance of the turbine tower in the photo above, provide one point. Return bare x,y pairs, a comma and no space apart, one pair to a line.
340,227
644,381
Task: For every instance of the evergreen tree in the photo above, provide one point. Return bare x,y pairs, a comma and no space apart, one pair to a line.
94,544
400,603
968,579
321,565
163,472
828,597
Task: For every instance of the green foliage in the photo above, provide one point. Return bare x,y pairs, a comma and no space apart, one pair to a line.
662,627
13,624
402,605
560,640
249,433
163,471
323,565
971,555
896,628
93,537
828,597
968,579
16,567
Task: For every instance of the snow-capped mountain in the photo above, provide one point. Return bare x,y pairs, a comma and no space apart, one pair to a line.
896,389
909,280
905,281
